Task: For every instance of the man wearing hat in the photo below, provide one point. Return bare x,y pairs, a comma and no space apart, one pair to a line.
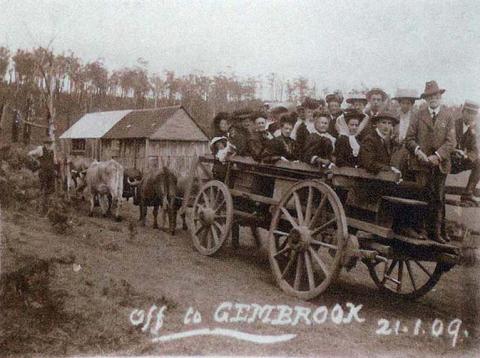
430,140
465,156
376,98
334,102
377,146
406,99
47,173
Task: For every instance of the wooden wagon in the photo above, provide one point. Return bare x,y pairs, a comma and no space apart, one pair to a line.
318,223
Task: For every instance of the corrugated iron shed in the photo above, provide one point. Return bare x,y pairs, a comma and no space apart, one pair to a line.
94,125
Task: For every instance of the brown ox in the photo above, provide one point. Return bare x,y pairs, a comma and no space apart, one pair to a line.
159,188
105,180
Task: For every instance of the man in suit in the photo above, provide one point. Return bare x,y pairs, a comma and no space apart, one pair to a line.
258,139
376,98
430,140
334,103
465,156
376,148
240,130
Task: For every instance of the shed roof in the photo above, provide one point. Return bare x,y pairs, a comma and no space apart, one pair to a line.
166,123
94,125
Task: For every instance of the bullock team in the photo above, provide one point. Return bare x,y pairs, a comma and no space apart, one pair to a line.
423,146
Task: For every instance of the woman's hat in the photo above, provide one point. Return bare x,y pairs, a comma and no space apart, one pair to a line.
403,93
350,114
385,115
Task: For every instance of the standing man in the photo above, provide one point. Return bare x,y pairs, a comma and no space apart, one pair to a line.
240,130
376,98
258,139
47,172
406,99
465,156
431,140
334,103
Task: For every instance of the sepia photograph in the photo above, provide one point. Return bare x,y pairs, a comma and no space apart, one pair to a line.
261,178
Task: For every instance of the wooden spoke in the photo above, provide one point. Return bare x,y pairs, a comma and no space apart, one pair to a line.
281,233
308,265
289,217
324,244
298,272
282,251
319,261
423,268
217,206
200,228
322,227
390,269
410,274
308,210
400,276
293,256
206,200
218,226
317,213
298,207
216,239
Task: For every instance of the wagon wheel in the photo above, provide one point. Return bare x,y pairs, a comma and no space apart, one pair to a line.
211,217
405,277
307,241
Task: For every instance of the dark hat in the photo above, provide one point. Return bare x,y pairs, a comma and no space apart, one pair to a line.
410,94
310,103
334,97
350,114
376,90
385,115
278,110
243,114
323,113
431,88
286,118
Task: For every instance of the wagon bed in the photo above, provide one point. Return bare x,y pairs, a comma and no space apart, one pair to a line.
319,222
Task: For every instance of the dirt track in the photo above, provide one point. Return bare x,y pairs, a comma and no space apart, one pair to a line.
102,271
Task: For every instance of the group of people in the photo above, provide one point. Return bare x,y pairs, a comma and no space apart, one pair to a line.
425,145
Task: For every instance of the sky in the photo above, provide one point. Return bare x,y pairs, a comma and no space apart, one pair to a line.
337,44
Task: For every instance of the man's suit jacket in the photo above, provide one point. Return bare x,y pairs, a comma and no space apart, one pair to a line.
375,153
431,138
280,147
257,144
466,141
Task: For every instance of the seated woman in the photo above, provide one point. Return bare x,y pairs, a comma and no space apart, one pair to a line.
320,144
347,146
258,139
221,124
376,147
282,147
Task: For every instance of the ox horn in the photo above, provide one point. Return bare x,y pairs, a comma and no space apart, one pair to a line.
134,182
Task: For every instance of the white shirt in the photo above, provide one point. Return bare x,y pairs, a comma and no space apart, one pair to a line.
299,121
380,134
465,127
433,111
404,124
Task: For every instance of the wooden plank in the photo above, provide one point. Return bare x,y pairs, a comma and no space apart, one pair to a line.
426,243
371,228
360,173
254,197
457,190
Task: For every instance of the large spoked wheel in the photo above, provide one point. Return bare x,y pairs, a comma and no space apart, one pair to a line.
211,217
405,277
307,239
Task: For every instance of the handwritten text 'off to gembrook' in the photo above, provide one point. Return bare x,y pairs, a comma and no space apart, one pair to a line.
152,320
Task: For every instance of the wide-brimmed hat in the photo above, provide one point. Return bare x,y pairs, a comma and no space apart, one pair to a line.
376,90
385,115
471,106
334,97
354,97
431,88
215,140
403,93
350,114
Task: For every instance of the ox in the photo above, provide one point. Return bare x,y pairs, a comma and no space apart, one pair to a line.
159,188
105,181
75,171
